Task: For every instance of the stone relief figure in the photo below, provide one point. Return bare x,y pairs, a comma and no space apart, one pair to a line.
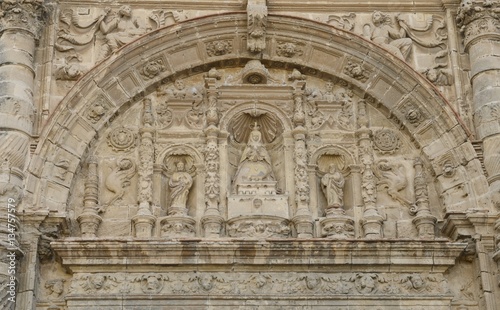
387,36
121,29
392,177
332,185
55,288
179,184
255,162
119,179
151,283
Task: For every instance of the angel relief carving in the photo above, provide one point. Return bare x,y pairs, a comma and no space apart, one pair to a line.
386,35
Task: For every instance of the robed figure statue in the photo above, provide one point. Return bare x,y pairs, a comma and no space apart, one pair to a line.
255,163
332,184
179,184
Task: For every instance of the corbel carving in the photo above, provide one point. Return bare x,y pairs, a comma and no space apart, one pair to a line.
257,23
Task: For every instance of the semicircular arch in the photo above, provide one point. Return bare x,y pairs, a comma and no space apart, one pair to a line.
115,84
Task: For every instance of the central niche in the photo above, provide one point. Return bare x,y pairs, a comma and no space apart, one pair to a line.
258,204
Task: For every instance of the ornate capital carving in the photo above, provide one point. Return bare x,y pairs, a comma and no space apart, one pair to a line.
478,19
21,14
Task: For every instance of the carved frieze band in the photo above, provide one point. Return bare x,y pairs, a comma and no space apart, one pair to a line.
398,284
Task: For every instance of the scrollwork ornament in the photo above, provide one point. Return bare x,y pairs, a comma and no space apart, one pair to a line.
386,141
122,139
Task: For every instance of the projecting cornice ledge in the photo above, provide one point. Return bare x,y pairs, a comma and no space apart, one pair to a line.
378,255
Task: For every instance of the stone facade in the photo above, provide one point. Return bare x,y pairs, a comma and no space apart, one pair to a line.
259,154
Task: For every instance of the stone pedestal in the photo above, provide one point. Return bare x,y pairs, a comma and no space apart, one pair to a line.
89,223
143,226
177,227
337,224
259,226
212,225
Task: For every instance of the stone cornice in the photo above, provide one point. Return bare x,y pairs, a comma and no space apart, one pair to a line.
378,255
319,6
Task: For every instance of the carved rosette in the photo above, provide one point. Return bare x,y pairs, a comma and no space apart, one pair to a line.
219,48
122,139
424,220
89,220
386,141
153,68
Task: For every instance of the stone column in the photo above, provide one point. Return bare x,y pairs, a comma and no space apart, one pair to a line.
371,220
20,25
90,220
212,220
144,220
479,23
424,220
303,218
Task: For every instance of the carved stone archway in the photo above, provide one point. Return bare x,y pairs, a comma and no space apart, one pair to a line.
394,89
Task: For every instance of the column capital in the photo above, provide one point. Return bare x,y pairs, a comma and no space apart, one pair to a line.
478,21
22,15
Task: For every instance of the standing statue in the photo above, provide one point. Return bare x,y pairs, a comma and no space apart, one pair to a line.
255,163
387,36
120,30
179,184
332,184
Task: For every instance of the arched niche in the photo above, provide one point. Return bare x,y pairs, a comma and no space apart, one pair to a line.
394,89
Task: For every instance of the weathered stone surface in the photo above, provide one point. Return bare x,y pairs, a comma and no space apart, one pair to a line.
263,154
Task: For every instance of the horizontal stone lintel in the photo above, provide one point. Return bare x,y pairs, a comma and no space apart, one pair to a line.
343,255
